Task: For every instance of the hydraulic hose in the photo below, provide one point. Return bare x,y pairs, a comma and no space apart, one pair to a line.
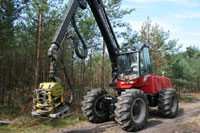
78,53
67,78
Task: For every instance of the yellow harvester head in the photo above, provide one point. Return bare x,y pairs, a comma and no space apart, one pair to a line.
47,98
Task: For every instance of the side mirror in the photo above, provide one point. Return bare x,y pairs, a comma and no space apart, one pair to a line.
163,73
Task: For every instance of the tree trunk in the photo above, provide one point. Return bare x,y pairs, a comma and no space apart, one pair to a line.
83,77
44,68
9,99
37,67
65,57
102,66
2,96
91,72
83,72
72,68
4,75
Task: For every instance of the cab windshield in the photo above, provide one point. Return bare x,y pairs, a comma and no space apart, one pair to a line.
127,64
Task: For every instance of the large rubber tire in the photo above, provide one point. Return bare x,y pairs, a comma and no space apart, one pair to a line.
92,108
131,111
168,103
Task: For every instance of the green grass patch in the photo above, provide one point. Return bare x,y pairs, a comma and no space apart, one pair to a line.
187,97
22,122
28,124
5,128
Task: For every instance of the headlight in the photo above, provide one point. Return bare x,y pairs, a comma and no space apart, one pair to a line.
122,83
131,82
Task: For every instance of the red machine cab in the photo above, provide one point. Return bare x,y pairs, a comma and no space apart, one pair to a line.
135,71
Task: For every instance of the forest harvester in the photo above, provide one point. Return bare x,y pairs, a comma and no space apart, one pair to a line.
136,86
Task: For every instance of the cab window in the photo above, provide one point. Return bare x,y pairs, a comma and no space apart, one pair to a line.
145,62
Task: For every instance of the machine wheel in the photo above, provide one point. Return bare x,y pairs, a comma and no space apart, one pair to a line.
93,107
168,103
131,111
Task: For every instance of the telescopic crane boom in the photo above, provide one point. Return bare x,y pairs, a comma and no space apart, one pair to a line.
104,25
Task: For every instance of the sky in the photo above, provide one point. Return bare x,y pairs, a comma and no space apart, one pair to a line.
180,17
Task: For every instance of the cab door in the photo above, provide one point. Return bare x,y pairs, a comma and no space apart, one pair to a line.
145,62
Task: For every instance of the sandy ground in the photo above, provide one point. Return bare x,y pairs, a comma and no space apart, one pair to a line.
187,121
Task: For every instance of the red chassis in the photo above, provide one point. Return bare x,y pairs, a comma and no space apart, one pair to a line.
147,83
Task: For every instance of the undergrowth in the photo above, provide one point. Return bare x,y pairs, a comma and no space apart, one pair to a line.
188,97
26,125
22,122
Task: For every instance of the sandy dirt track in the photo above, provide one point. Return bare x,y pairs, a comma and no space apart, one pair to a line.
187,121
